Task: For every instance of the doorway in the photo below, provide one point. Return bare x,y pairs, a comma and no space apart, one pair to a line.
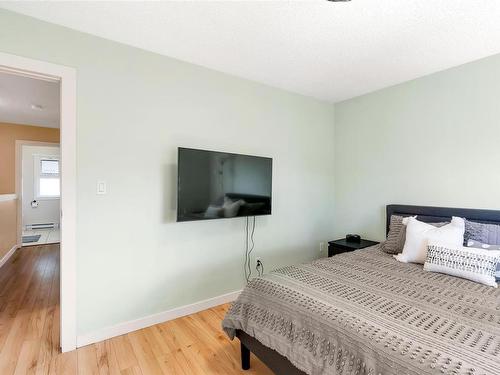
39,198
66,79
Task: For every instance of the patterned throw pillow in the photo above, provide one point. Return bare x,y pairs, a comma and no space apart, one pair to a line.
397,235
480,245
477,265
484,233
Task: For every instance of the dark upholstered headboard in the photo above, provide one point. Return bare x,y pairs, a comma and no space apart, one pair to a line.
440,214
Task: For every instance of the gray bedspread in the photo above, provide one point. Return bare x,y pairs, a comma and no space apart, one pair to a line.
365,313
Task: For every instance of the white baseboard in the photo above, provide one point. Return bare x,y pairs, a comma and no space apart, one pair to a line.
7,256
134,325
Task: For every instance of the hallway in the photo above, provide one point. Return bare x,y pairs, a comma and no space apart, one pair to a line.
29,313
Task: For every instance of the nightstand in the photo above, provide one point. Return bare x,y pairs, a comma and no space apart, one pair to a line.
342,246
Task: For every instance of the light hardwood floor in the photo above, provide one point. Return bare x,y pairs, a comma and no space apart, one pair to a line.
29,332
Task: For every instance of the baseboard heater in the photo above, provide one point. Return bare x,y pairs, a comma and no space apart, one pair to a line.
42,226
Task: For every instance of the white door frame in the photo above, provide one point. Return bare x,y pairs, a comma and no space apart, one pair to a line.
67,78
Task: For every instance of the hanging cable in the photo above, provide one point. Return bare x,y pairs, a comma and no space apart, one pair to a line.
249,237
245,267
251,249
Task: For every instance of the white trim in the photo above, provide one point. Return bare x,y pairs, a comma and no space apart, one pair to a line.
8,197
7,256
17,72
68,210
67,77
134,325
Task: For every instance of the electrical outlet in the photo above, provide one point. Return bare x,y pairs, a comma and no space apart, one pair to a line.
321,247
259,266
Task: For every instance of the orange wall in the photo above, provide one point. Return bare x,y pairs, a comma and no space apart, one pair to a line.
8,226
9,133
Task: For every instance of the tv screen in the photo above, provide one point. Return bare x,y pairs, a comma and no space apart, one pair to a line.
214,185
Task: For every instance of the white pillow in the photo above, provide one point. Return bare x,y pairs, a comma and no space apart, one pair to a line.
419,233
477,265
231,208
213,212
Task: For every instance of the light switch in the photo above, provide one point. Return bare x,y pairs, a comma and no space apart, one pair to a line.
101,187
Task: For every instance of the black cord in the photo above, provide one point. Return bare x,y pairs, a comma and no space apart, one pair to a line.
251,249
248,252
245,266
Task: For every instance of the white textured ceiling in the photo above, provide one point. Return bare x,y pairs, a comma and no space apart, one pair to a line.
331,51
28,101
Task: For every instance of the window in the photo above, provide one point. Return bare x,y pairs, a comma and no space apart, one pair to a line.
47,181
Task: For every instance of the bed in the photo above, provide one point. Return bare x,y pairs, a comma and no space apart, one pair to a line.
365,313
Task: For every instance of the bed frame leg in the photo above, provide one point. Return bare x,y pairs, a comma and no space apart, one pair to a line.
245,357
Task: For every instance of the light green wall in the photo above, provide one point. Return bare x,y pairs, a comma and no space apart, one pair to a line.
134,109
431,141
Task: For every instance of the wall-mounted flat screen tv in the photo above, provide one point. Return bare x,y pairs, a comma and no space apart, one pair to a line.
215,185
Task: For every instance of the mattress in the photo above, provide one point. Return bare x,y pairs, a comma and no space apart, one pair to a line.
363,312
